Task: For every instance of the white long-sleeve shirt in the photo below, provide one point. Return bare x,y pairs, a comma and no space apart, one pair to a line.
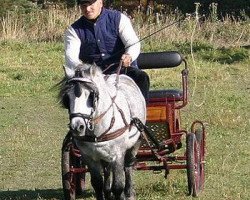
126,33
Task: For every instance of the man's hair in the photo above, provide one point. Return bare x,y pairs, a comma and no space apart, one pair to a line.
85,1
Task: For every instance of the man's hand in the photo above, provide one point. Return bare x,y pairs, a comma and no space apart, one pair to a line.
126,60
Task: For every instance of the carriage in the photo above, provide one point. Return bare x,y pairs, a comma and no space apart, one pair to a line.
161,136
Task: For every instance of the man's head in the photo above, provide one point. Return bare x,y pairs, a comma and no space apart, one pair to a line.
91,9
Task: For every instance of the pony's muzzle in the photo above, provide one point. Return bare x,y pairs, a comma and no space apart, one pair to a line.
78,125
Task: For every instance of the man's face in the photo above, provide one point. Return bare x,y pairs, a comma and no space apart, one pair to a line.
91,11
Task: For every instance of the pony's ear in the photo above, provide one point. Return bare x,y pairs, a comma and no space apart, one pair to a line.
93,69
69,72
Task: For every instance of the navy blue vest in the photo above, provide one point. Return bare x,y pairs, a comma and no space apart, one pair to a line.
100,42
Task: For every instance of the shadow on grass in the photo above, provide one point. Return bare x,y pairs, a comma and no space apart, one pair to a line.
46,194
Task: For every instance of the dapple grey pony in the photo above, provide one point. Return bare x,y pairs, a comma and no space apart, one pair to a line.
101,109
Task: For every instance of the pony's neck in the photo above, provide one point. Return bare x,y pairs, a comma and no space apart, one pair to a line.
106,94
105,108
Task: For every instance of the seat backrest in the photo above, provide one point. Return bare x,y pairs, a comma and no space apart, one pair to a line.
156,60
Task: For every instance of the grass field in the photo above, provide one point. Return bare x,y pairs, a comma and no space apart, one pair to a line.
33,125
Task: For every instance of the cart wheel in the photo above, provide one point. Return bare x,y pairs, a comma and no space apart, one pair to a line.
193,165
200,138
73,183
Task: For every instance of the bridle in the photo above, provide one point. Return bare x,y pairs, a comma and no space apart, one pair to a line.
89,84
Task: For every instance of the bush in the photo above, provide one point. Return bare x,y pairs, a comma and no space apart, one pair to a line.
20,5
224,6
226,56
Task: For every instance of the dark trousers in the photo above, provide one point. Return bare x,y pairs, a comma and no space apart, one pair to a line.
140,77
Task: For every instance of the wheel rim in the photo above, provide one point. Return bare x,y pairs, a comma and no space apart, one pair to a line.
202,162
67,174
193,165
196,169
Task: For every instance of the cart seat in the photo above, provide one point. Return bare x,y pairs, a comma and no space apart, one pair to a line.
163,95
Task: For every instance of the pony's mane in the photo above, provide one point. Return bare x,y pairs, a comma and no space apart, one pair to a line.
63,87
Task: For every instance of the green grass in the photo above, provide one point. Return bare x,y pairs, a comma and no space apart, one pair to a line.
33,125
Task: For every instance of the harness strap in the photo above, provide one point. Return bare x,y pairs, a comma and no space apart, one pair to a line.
145,133
97,119
143,128
110,126
122,114
102,138
113,135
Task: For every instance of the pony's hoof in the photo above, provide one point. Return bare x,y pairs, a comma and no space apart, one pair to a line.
130,198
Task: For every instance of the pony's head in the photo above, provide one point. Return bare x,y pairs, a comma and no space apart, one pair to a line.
79,94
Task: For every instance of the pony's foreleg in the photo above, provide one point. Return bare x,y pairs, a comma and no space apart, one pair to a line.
130,159
118,183
107,182
129,189
97,181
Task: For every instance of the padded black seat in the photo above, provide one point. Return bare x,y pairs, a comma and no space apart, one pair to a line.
161,95
156,60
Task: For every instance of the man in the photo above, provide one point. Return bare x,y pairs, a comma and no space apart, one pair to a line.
104,37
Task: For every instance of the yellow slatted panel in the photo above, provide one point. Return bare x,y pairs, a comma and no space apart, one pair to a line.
156,113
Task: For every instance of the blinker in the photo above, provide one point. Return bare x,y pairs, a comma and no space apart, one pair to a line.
77,89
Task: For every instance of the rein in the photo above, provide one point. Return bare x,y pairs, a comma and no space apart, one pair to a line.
117,72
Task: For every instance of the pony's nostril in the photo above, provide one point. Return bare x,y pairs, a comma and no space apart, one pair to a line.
81,127
77,127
